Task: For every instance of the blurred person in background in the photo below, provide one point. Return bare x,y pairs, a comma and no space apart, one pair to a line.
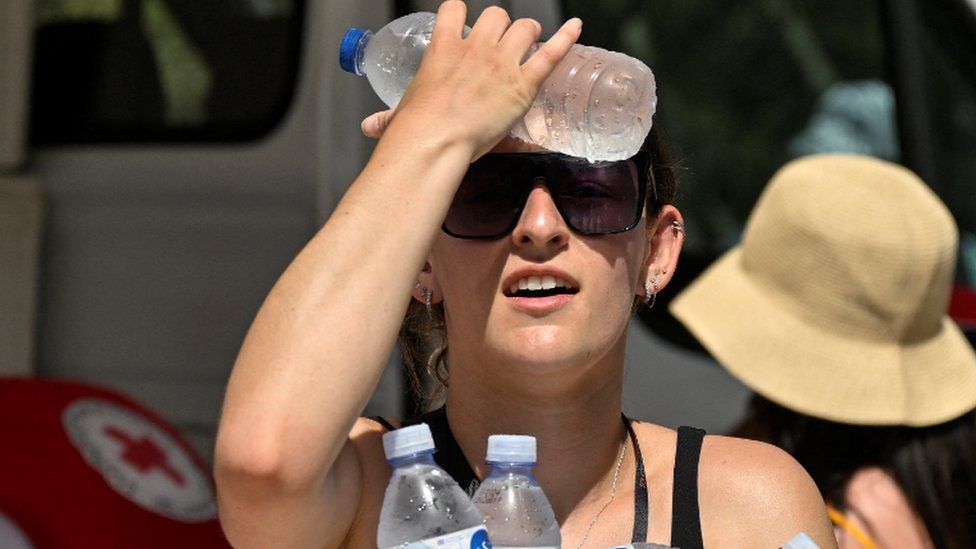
833,310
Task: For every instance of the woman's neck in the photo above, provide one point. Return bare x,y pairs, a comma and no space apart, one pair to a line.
576,421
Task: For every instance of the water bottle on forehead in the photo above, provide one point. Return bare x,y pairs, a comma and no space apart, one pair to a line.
424,508
596,104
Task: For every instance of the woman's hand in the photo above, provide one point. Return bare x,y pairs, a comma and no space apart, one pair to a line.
471,90
375,124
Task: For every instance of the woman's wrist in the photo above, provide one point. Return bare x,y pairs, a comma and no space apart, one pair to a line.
426,138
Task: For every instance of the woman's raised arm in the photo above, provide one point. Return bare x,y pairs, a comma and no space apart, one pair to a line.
287,471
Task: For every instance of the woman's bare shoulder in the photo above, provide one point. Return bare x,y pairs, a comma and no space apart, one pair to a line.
754,491
366,438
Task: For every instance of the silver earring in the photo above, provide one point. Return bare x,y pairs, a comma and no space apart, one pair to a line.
678,227
428,297
650,297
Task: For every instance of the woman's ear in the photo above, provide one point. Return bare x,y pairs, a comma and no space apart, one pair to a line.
427,284
665,237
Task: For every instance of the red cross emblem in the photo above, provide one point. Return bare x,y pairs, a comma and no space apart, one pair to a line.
144,455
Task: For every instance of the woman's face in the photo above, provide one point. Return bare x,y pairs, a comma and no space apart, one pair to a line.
475,278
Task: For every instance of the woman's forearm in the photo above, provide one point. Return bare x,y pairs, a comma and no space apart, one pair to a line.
322,338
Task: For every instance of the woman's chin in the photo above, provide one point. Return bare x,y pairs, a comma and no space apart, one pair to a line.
544,349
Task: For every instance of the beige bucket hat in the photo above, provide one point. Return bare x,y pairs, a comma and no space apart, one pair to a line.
834,305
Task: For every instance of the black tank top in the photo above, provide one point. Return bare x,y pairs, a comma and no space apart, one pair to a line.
685,518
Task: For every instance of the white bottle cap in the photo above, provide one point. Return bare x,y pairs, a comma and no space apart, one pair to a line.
407,440
801,541
511,449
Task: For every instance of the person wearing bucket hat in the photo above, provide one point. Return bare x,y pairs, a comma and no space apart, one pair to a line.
833,310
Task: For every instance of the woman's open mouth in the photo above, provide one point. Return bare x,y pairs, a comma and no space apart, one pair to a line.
540,294
540,286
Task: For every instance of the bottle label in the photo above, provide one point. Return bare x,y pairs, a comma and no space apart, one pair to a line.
472,538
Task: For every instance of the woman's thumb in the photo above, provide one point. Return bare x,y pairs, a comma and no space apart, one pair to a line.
375,124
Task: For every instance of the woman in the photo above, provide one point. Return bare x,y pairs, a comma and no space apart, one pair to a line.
833,311
296,466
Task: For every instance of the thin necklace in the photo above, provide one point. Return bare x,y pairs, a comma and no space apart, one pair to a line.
613,492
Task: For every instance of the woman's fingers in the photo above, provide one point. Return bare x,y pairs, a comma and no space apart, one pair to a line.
375,124
520,37
543,61
490,26
449,23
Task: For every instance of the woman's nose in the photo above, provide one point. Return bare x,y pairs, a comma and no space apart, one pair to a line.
540,224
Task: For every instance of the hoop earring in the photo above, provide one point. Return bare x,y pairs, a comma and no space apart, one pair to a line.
678,227
650,297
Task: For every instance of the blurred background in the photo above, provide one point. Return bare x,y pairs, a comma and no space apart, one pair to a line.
161,162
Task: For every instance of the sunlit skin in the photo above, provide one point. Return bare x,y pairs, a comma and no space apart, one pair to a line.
495,336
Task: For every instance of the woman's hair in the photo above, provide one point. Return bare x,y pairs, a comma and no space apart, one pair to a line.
423,343
934,466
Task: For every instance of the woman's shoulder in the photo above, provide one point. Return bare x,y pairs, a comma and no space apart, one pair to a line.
747,490
366,439
753,490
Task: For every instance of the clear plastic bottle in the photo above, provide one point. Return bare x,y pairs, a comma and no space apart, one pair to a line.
424,507
516,510
597,104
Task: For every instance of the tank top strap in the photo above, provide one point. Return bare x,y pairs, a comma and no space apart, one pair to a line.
685,518
449,455
640,488
382,421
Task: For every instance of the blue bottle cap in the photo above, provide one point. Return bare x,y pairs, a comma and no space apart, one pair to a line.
349,49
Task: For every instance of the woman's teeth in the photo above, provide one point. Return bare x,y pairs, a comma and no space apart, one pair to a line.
537,283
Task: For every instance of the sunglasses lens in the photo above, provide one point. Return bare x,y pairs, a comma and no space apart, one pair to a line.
599,199
593,199
488,201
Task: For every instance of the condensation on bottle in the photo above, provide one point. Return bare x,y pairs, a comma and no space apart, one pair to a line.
423,507
517,513
596,104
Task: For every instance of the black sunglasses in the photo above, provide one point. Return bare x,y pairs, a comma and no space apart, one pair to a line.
592,198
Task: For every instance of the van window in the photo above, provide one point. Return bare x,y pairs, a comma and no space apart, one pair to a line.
162,70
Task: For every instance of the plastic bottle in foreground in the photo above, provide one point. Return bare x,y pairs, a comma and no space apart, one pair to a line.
597,104
424,507
516,510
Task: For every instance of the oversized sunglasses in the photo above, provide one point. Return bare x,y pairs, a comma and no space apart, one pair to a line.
592,198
